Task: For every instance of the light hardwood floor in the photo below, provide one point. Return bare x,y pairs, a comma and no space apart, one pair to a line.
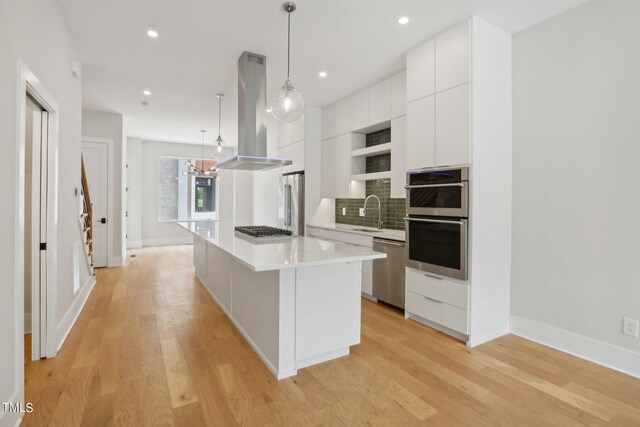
152,348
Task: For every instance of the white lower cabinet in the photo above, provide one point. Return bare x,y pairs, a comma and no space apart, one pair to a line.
367,277
438,312
438,300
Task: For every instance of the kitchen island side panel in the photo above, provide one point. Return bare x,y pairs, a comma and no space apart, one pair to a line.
327,309
218,279
255,309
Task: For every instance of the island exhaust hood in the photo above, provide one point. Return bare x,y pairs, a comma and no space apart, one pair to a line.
252,117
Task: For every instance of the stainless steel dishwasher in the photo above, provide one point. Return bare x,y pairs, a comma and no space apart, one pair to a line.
388,273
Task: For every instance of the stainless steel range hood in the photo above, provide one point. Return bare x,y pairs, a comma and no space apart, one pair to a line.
252,117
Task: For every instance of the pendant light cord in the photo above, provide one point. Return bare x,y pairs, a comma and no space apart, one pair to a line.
202,165
288,42
219,113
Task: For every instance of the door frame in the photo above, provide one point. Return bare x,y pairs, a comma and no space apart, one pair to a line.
28,83
110,186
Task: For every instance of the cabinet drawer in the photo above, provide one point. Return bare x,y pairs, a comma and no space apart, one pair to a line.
448,291
439,312
354,239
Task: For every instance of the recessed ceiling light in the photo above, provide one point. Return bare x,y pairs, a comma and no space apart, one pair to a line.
152,33
404,20
322,74
146,92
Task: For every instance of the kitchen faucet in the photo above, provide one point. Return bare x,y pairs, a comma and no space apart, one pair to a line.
379,209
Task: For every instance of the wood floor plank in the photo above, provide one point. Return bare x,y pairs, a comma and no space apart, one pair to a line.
181,387
152,348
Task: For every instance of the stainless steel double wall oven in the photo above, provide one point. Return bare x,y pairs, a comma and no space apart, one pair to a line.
437,220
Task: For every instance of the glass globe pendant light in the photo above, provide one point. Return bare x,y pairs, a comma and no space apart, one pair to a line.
287,105
217,147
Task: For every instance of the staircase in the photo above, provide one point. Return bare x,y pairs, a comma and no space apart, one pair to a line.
85,219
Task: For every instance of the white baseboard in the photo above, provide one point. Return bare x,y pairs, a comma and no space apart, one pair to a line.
116,261
133,244
70,317
473,342
369,297
168,241
611,356
27,323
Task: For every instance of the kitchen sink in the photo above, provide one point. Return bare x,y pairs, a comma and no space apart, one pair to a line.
367,230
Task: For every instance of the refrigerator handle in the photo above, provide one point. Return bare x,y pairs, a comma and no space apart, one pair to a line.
289,204
285,204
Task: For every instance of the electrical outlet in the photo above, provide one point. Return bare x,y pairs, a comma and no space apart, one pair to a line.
630,327
361,211
344,211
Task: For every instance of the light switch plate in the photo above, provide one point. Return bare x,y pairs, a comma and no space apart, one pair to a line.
344,211
361,211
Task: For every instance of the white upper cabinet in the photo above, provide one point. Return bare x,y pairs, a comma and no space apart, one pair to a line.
298,127
453,55
420,133
358,110
398,94
285,133
345,166
327,174
329,122
398,157
452,126
295,152
380,102
342,117
421,71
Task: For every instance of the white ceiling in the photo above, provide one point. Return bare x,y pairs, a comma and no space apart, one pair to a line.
195,56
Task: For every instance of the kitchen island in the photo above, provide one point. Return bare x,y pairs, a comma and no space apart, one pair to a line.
295,299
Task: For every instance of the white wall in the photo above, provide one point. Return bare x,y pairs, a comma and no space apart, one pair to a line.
97,124
134,193
48,52
143,225
576,182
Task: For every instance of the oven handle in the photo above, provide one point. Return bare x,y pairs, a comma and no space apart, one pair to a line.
441,221
457,184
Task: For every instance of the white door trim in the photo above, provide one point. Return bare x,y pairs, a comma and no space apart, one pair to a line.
110,186
29,83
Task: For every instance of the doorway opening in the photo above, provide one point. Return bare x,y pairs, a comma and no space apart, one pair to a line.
97,155
36,191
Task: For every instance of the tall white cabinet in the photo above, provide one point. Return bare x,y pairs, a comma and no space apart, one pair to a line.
459,113
438,95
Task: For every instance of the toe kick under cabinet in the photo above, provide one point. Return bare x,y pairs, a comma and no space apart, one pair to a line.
439,301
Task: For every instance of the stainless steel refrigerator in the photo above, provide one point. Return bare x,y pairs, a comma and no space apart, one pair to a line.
291,206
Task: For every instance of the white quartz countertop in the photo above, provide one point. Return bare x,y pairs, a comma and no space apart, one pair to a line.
398,235
278,253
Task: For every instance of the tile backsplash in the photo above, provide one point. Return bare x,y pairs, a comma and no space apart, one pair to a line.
392,210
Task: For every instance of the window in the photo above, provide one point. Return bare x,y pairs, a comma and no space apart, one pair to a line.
184,198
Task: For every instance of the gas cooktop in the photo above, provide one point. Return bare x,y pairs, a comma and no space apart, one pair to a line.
262,231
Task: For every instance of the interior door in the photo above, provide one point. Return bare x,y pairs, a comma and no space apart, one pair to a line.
96,164
35,255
